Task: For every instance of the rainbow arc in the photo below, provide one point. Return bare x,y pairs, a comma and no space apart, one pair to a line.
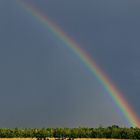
87,61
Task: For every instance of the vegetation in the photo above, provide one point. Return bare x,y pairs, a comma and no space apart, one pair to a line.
71,133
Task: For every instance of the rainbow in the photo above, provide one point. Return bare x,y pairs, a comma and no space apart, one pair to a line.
88,62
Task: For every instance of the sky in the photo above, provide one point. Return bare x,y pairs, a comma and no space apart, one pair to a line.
43,85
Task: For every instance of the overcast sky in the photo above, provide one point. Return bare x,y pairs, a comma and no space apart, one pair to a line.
42,85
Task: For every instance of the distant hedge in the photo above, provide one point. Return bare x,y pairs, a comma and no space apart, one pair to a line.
71,133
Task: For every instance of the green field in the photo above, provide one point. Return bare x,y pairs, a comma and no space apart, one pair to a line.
113,132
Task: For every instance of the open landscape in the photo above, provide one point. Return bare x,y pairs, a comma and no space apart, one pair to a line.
70,69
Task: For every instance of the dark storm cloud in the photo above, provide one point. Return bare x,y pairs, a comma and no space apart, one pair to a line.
41,85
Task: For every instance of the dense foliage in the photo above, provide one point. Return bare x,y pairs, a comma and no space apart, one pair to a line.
109,132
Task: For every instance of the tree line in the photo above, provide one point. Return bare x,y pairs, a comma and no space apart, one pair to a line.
71,133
